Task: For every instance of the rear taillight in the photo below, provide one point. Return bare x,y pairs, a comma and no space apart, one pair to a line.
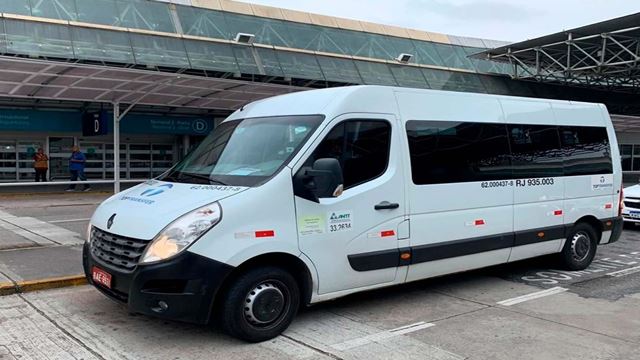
621,202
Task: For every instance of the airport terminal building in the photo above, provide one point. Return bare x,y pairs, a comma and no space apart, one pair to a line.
167,72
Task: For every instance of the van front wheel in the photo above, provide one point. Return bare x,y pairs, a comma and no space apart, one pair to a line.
579,248
260,304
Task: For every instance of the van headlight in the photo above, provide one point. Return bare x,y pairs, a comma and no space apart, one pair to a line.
181,233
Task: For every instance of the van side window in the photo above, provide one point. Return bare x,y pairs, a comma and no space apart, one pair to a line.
451,152
361,146
535,150
586,150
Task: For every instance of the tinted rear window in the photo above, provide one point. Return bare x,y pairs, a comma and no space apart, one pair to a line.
585,150
535,151
450,152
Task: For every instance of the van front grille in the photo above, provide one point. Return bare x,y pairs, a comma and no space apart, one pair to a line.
632,204
117,251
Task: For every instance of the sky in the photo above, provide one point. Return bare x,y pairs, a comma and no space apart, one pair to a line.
507,20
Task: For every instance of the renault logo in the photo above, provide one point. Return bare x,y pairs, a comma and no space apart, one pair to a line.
110,221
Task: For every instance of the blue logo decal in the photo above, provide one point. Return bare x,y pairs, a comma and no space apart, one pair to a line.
157,190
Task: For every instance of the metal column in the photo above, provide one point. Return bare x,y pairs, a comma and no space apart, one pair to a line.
186,143
116,148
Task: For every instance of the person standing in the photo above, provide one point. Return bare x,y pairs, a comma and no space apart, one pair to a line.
41,165
77,162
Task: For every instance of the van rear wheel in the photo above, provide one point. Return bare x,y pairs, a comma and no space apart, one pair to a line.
579,248
260,304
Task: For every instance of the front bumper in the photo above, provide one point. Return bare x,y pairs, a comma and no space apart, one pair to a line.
626,215
187,284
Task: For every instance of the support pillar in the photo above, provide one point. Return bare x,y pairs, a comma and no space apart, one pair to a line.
116,148
186,143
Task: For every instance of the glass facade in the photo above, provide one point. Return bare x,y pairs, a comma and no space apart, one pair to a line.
182,19
86,44
37,39
159,51
102,45
630,157
139,160
54,9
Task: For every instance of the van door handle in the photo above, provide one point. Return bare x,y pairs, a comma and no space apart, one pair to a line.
385,205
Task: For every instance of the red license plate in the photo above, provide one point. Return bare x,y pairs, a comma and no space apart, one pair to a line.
101,277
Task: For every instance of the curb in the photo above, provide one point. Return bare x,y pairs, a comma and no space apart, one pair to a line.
42,284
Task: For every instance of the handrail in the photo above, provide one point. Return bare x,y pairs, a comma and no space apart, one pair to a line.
51,183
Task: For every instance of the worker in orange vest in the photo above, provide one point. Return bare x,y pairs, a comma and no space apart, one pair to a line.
41,165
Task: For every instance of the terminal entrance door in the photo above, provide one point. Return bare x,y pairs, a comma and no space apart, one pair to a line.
59,153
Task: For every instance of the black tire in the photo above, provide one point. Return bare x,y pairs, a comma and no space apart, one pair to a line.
260,304
580,247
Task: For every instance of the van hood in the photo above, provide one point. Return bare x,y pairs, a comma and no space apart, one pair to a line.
144,210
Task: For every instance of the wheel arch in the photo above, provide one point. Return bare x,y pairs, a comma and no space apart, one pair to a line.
593,222
291,263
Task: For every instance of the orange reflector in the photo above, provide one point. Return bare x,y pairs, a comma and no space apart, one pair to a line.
265,233
540,234
557,212
386,233
405,256
479,222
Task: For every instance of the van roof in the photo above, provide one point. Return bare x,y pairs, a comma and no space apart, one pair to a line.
367,99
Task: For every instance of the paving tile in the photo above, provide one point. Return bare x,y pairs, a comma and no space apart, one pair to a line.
11,240
41,263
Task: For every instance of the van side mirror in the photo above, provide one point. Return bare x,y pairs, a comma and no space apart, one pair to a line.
322,180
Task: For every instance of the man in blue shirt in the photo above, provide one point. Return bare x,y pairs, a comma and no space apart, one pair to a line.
76,167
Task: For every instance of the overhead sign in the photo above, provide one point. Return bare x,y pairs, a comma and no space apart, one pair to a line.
146,124
75,122
30,120
95,123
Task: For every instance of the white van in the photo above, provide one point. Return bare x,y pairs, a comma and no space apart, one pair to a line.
314,195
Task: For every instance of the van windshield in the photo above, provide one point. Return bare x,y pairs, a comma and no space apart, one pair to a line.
244,152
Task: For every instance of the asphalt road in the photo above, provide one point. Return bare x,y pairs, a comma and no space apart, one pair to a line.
526,310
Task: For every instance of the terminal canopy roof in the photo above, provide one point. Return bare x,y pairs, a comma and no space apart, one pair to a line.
69,81
601,55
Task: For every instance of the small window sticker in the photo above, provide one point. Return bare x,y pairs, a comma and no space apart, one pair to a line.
338,221
311,225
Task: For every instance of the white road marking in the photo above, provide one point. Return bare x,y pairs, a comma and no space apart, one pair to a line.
624,272
361,341
322,330
38,231
411,328
532,296
35,238
5,215
67,221
48,231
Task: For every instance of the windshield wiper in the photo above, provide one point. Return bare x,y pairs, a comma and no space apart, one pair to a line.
170,178
203,177
218,182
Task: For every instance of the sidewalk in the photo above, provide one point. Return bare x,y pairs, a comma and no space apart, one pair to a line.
24,270
41,238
